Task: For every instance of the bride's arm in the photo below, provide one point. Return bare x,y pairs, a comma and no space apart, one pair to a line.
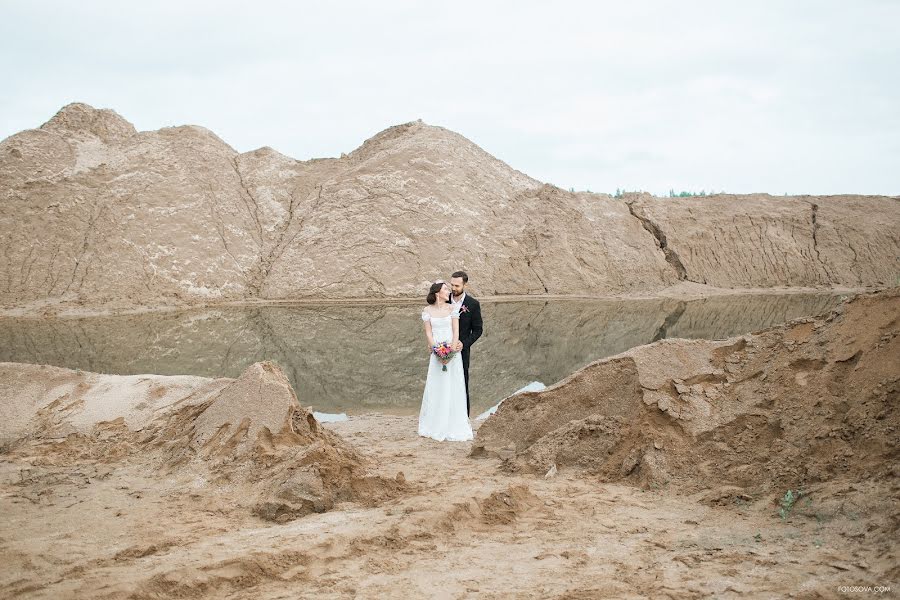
455,331
426,321
429,336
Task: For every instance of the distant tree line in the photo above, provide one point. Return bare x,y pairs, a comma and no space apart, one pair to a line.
672,193
620,193
684,194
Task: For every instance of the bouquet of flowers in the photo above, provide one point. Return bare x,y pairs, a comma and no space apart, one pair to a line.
444,353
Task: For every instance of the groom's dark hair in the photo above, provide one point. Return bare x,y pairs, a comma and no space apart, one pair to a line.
461,274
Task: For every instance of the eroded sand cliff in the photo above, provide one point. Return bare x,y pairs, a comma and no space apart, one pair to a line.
96,214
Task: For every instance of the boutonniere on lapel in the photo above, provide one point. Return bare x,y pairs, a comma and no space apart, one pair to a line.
463,309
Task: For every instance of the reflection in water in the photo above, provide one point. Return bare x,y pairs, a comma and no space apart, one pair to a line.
327,351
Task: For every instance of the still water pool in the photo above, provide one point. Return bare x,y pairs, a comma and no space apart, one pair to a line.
358,359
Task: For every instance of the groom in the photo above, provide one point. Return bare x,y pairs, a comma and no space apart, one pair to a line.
470,325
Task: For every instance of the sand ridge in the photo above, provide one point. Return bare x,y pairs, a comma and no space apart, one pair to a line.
177,218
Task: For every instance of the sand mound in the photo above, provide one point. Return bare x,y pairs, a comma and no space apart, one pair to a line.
250,410
249,432
785,408
78,119
177,217
48,402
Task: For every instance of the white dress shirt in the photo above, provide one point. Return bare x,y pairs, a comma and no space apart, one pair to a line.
461,298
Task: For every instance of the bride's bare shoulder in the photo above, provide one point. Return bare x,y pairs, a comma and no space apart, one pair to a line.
434,310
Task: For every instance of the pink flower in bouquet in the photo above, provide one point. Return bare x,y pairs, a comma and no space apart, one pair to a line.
444,353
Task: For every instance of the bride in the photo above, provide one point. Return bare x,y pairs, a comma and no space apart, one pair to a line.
443,415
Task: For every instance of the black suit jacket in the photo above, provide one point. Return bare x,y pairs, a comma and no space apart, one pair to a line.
470,325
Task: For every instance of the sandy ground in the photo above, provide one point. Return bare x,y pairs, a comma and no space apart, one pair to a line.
670,463
105,528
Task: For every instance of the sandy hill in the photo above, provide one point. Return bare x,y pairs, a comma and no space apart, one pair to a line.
229,432
791,406
96,213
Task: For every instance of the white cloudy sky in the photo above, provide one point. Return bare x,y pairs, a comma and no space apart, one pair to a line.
766,96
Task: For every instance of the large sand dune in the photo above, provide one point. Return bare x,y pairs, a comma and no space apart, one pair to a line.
97,214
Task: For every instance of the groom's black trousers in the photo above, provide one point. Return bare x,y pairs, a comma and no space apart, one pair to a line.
465,358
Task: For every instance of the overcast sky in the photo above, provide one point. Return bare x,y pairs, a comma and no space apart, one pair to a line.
765,96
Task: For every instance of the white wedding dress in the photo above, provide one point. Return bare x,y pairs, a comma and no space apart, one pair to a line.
443,414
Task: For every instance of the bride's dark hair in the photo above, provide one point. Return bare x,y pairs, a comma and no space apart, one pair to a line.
433,292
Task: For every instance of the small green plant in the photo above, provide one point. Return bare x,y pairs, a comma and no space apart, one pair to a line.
758,537
787,503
